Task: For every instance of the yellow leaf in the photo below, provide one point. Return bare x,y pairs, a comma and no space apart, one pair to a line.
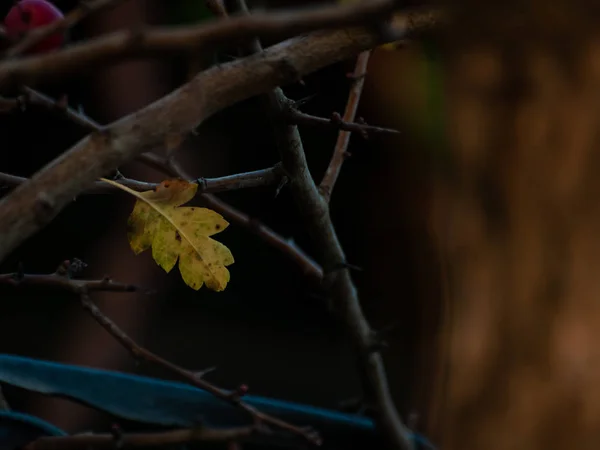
176,232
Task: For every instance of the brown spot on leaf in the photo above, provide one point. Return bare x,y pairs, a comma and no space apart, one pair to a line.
177,236
132,226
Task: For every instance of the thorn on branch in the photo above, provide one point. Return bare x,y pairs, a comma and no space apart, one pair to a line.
375,343
101,136
356,77
116,175
117,433
342,266
21,102
284,180
363,131
304,100
296,117
236,395
313,435
203,373
242,390
336,118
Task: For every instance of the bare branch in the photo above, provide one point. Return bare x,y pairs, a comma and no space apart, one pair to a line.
35,203
61,279
315,212
288,247
32,97
296,117
135,440
84,57
337,280
232,397
74,16
263,177
309,267
340,151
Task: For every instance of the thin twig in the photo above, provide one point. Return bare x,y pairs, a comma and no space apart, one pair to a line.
77,116
232,397
336,121
340,151
61,279
33,97
315,212
71,19
110,49
295,116
136,440
263,177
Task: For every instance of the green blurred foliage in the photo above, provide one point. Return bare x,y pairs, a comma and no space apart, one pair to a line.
433,121
183,12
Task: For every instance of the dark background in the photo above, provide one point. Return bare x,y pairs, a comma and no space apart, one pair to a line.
268,328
